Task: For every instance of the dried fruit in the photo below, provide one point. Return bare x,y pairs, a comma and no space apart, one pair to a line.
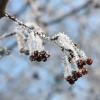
89,61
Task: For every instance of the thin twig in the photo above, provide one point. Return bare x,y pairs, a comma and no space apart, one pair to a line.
17,21
25,26
7,35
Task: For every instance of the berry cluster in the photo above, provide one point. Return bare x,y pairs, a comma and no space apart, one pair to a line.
81,63
75,75
74,58
39,56
82,71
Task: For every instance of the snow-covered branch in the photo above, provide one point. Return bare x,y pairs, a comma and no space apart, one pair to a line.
74,58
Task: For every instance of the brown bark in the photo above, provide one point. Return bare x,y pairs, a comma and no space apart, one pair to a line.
3,4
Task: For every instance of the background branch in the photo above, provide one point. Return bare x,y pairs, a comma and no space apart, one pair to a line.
74,11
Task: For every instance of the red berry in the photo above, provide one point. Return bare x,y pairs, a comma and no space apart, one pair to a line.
84,62
80,63
78,74
74,75
89,61
38,59
44,59
35,52
70,80
84,71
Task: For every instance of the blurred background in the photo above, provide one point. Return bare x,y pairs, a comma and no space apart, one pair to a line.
21,79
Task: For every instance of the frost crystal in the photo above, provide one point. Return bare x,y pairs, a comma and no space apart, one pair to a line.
35,43
21,42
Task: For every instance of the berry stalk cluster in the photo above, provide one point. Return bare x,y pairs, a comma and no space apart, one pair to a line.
74,58
32,46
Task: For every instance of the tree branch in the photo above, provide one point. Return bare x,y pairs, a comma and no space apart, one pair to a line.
3,4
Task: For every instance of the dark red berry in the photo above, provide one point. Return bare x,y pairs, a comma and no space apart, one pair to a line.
38,58
80,64
84,62
70,80
36,53
74,75
78,74
44,59
84,71
89,61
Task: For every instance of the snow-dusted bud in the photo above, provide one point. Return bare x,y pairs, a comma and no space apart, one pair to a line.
36,48
21,42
